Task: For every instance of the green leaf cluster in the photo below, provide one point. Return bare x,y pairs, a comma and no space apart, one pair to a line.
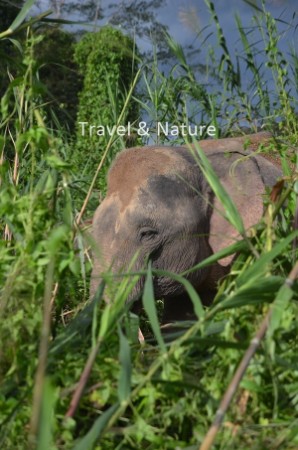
107,60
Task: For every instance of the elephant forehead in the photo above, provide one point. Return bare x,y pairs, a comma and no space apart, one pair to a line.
167,190
165,209
133,169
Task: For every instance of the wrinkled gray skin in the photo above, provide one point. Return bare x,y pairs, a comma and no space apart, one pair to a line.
159,203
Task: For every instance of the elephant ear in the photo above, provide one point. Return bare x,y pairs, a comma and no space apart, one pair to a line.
244,184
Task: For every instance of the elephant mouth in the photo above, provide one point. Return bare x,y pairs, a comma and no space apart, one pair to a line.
163,288
166,287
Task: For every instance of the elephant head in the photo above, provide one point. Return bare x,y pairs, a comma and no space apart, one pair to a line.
160,207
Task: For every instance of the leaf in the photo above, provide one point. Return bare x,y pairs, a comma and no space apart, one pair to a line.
150,308
105,321
253,4
56,162
196,301
279,305
124,384
252,293
17,44
45,429
22,15
132,326
15,26
218,343
261,265
251,386
231,211
88,441
237,247
68,22
115,309
74,332
56,238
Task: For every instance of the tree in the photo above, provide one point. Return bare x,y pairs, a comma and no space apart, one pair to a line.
136,17
107,61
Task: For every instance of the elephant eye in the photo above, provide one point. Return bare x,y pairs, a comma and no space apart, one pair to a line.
147,233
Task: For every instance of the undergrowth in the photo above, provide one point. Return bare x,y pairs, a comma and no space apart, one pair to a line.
164,394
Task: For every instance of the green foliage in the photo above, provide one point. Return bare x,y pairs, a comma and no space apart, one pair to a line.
54,342
108,63
37,216
59,73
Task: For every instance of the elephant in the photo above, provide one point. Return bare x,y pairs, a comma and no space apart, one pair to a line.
159,204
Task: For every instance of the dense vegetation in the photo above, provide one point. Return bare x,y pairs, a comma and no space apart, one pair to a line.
72,373
107,61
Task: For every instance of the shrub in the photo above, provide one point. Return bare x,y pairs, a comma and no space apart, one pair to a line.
107,61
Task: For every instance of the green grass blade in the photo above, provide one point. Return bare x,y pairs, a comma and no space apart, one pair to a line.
260,267
254,5
77,328
231,212
88,441
253,293
150,308
177,49
115,308
45,431
67,22
124,384
279,305
22,15
238,247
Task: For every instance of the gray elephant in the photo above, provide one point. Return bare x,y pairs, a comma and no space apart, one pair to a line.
160,205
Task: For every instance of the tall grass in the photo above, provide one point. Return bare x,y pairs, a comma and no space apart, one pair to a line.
249,88
72,373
